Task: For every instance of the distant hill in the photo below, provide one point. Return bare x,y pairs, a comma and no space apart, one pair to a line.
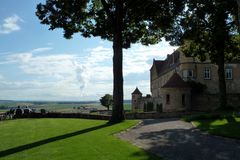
6,101
55,102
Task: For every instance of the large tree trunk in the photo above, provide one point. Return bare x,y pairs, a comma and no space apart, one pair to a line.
220,37
117,111
222,82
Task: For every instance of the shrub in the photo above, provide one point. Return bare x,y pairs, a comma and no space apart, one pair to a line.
209,116
148,107
145,107
159,108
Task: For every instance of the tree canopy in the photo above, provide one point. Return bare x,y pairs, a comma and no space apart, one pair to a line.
121,21
106,100
97,18
209,28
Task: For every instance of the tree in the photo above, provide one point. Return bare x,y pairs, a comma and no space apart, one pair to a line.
121,21
209,29
106,100
238,2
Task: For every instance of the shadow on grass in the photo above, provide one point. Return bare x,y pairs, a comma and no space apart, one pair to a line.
230,129
49,140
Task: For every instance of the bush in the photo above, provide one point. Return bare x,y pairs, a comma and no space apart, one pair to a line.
159,108
148,107
209,116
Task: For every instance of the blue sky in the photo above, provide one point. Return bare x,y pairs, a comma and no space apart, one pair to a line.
38,64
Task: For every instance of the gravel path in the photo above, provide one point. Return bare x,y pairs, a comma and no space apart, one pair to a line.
174,139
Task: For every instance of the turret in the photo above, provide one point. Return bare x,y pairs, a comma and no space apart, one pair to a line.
136,98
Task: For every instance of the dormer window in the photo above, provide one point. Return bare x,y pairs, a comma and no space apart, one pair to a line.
188,73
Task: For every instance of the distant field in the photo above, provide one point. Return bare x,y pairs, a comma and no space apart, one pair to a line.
127,106
66,139
58,107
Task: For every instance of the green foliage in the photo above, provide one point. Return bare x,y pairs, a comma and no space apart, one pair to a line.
97,18
107,100
122,22
159,108
211,116
67,139
204,117
209,29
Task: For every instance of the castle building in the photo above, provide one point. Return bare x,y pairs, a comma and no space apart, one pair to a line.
181,83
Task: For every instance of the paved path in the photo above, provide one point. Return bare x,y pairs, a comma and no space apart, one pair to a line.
174,139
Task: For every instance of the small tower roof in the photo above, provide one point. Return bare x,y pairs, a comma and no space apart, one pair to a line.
136,91
176,82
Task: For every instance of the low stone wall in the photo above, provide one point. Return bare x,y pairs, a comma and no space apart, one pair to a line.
64,115
208,102
155,115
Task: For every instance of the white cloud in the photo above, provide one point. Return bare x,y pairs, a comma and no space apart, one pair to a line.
71,77
139,58
10,24
22,57
43,49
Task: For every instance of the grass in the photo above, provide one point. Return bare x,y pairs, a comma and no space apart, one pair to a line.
56,139
227,126
127,106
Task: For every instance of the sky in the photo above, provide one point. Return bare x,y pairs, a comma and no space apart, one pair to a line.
39,64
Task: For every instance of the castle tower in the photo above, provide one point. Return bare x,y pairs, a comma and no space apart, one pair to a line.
136,98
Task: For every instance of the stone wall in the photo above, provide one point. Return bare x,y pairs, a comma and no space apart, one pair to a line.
175,102
159,82
154,115
208,102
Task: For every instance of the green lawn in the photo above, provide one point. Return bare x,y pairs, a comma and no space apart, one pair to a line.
67,139
227,127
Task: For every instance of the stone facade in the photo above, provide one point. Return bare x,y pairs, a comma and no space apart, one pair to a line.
168,84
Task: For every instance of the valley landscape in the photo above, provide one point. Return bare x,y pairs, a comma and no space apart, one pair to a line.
58,106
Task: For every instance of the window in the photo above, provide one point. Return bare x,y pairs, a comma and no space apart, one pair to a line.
207,73
183,99
167,99
190,73
187,73
228,73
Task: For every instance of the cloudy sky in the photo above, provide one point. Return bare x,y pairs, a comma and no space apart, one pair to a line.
38,64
